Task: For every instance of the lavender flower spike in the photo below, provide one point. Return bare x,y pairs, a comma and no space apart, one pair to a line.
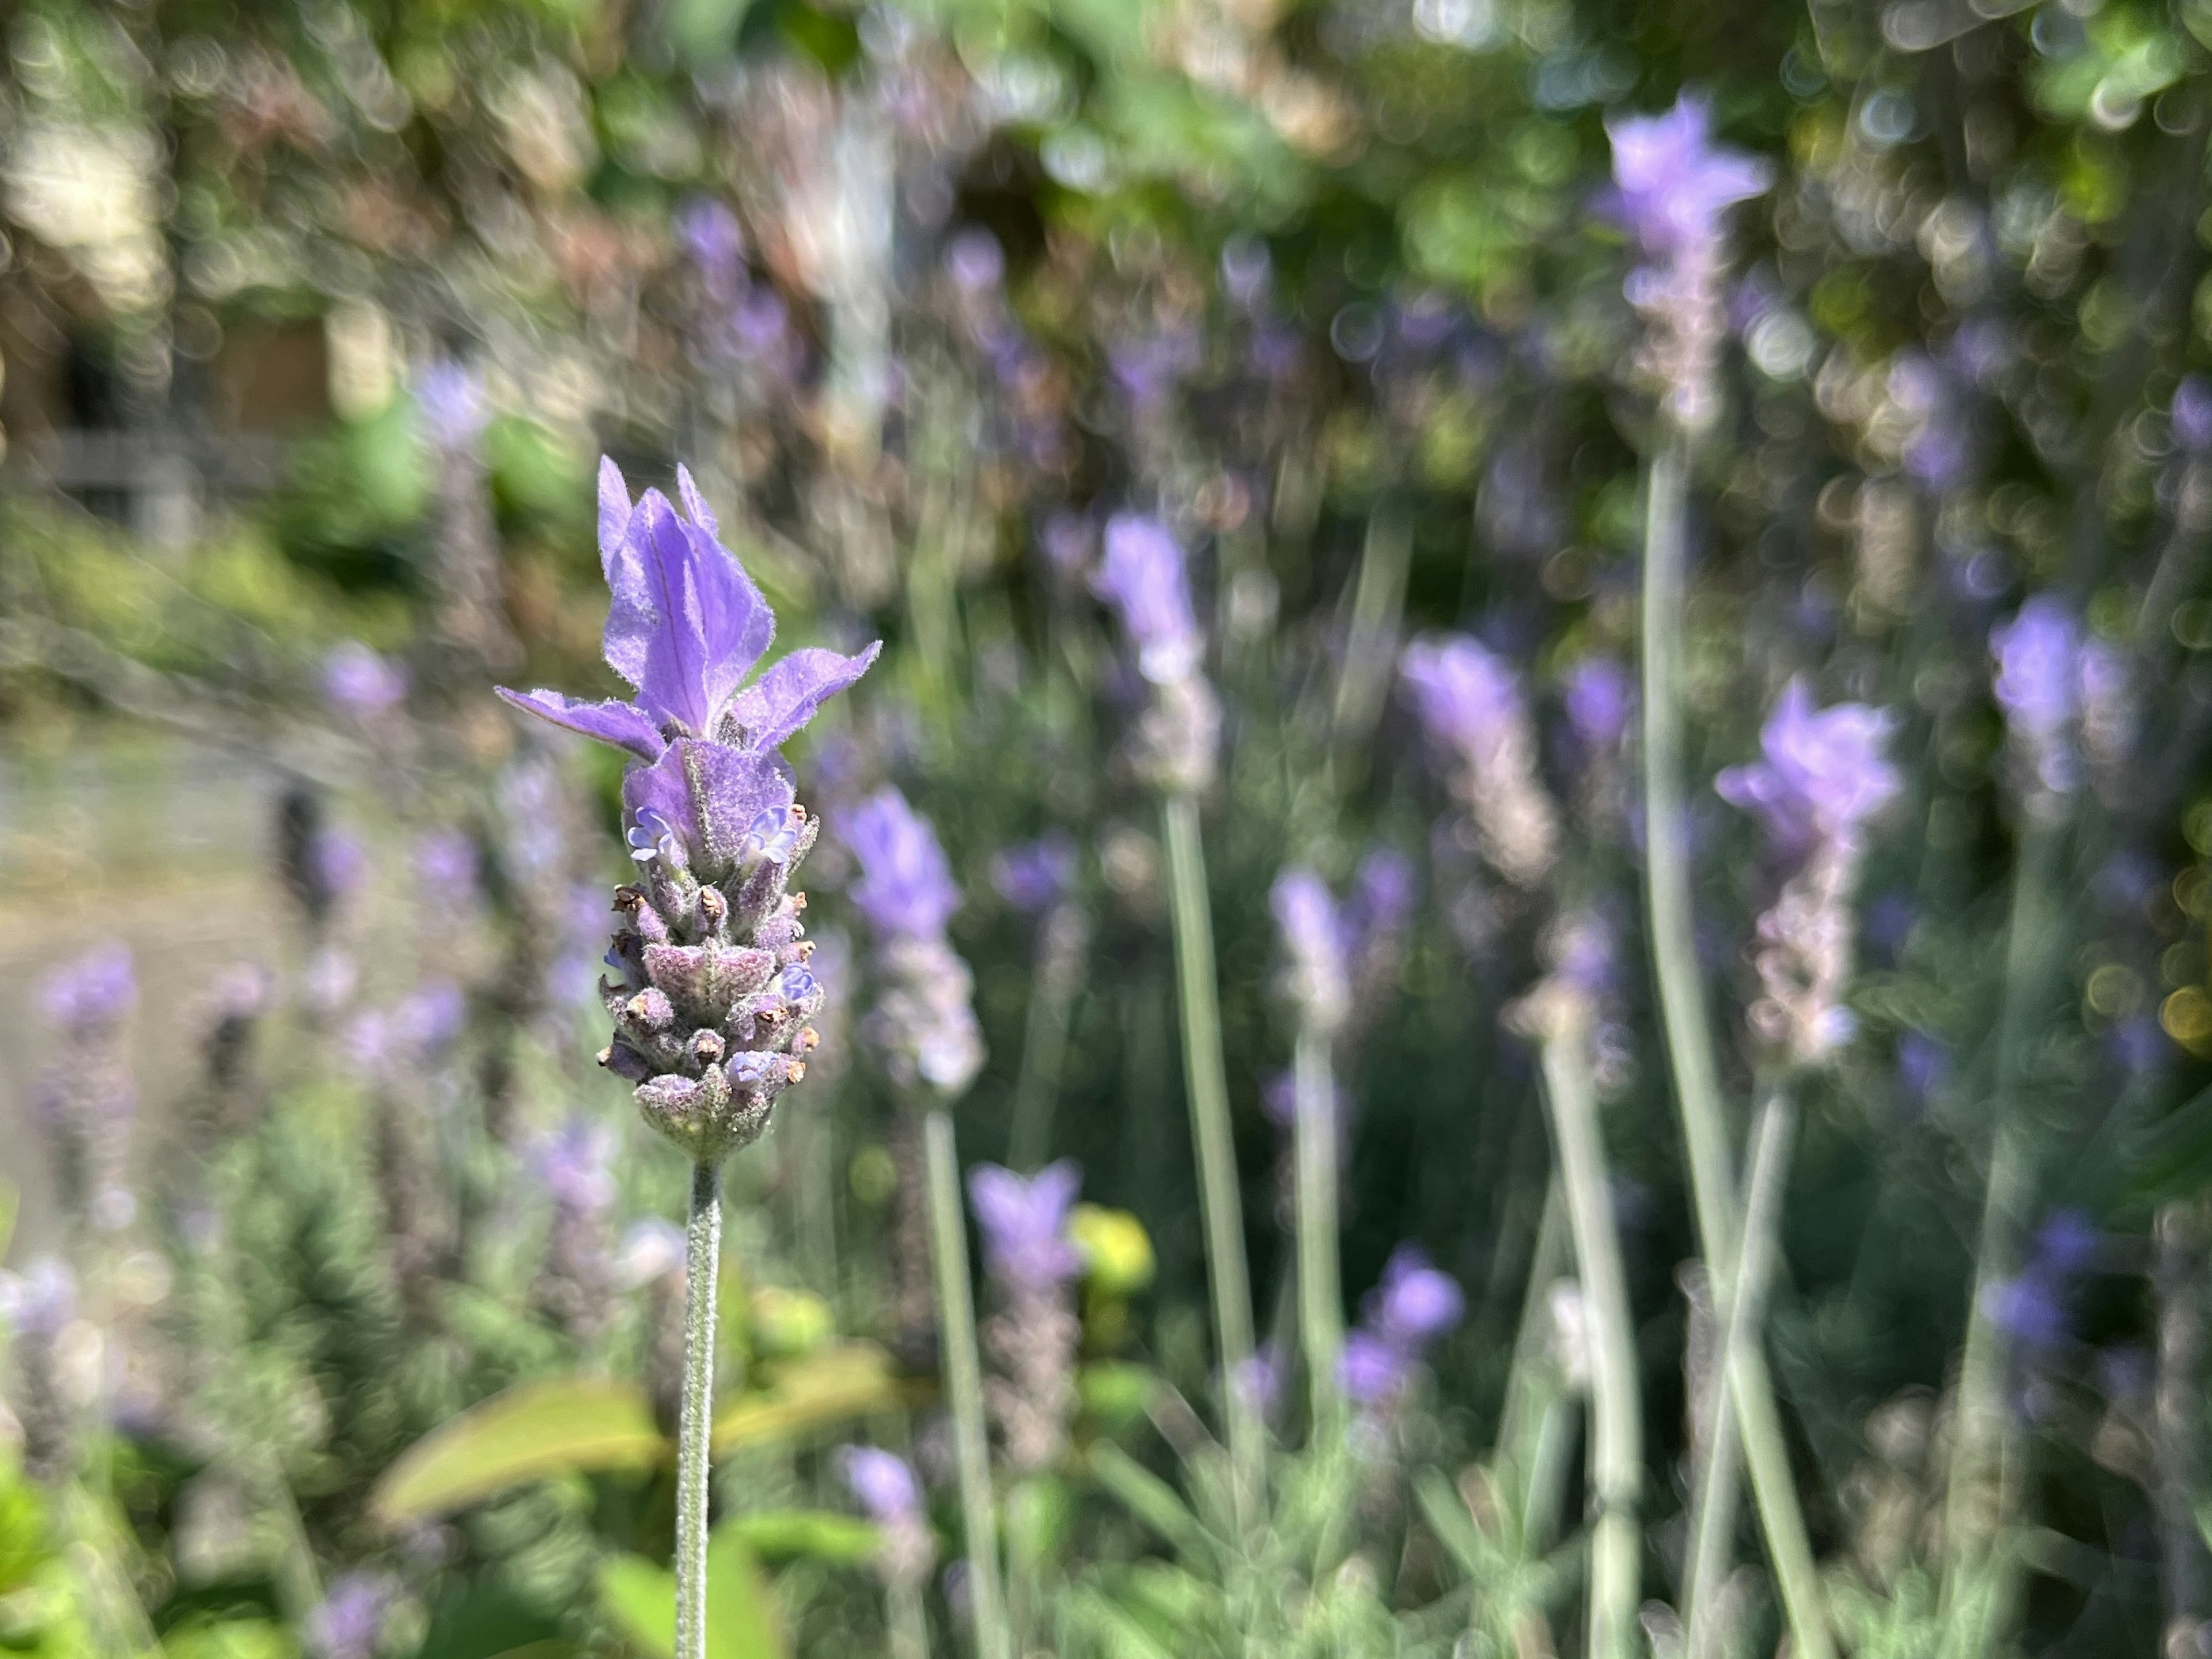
886,1487
1032,1338
1469,700
1143,577
711,1011
1316,974
1672,189
923,1025
1024,1222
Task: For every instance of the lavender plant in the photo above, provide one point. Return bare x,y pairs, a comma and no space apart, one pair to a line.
712,1007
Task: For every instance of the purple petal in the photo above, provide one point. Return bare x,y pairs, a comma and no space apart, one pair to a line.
695,503
622,723
1000,1198
685,624
768,714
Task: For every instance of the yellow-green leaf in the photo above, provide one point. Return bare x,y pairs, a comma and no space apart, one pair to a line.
564,1425
743,1619
819,1535
851,1380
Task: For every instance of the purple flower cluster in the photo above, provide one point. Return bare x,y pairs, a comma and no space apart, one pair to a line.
1337,958
1143,578
923,1025
1672,188
84,996
1412,1306
711,1013
887,1489
2052,683
1025,1223
1822,773
1037,875
2033,1307
1600,697
1032,1338
1468,700
348,1621
86,1097
451,405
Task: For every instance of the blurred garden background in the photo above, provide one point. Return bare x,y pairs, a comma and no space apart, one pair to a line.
1538,801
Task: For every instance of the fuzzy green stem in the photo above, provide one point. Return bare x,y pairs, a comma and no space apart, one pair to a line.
963,1386
1617,1416
1742,1316
1689,1046
1983,1448
696,1419
1206,1081
1320,1295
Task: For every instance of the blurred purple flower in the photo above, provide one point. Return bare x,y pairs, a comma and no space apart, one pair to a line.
714,243
1415,1303
356,681
1467,696
1148,366
2036,685
572,1163
1143,578
451,405
1259,1379
2192,414
1381,902
884,1483
1066,540
1923,1065
1371,1371
446,862
348,1622
90,991
2067,1243
1822,772
1316,976
1600,695
1247,269
1671,183
339,862
975,261
38,1302
1037,875
905,886
1024,1222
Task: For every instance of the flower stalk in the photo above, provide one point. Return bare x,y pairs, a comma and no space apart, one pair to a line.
1205,1080
1686,1022
1320,1294
696,1422
964,1383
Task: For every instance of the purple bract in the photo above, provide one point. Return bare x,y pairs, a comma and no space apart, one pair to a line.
1822,775
1024,1222
884,1483
1671,182
906,888
1143,577
1037,875
91,991
358,682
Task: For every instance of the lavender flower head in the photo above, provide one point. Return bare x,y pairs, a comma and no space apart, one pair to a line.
888,1491
1032,1338
712,1007
1468,700
714,243
1024,1222
446,863
86,1096
1672,189
37,1303
1143,577
923,1025
1822,775
2037,685
1316,977
1600,695
357,681
1400,1319
573,1164
1037,875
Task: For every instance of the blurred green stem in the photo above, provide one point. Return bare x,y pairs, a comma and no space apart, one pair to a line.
910,1626
1689,1041
1321,1297
1532,1426
1207,1082
696,1427
1061,939
963,1386
1742,1316
1983,1450
1617,1429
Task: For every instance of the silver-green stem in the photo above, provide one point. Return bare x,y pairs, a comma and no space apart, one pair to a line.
1060,947
963,1386
1206,1081
1617,1415
909,1626
694,1428
1320,1295
1742,1316
1689,1046
1983,1446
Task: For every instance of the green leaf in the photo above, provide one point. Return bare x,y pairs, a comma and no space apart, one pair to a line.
1150,1498
1115,1393
817,1534
852,1380
564,1425
743,1619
